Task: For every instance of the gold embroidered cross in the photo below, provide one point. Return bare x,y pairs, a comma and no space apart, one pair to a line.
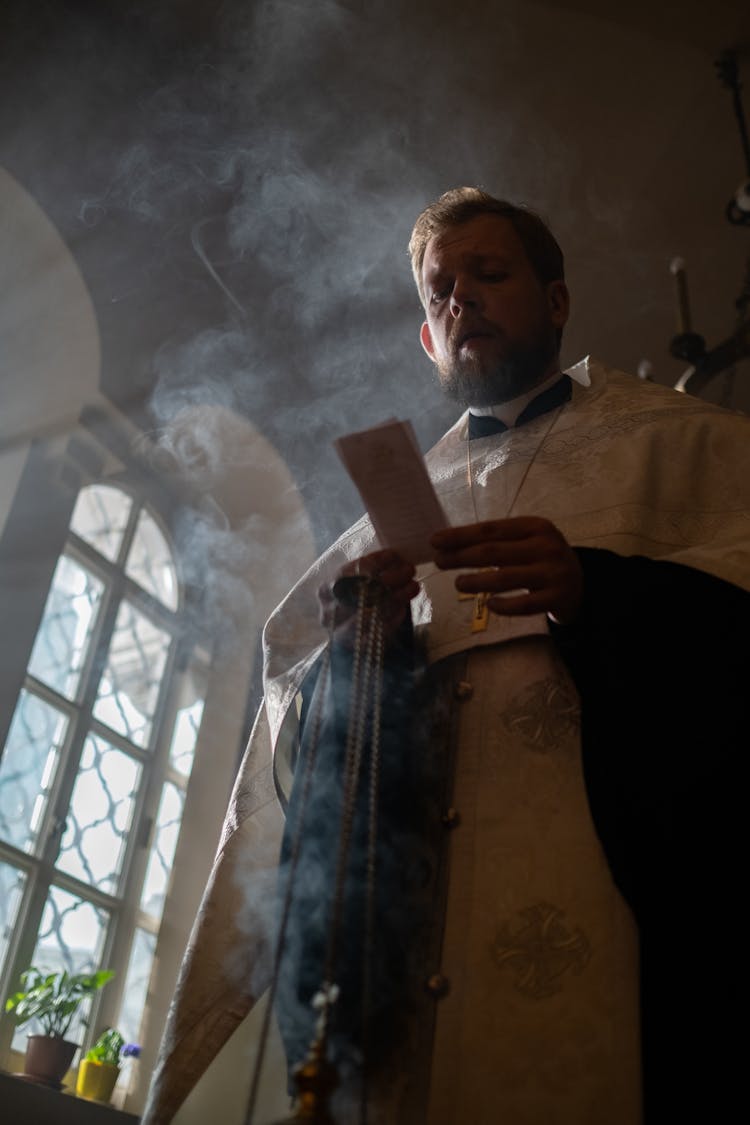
481,614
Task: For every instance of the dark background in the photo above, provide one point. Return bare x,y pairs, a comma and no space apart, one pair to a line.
237,182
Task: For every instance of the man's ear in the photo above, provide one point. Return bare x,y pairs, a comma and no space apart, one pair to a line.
559,302
425,337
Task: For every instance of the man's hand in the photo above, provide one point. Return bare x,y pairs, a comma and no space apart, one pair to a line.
525,554
394,573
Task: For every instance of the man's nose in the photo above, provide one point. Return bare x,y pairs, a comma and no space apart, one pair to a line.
464,296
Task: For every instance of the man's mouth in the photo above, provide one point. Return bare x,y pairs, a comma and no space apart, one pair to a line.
470,336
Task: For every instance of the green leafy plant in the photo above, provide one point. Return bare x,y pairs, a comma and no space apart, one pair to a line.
111,1048
53,998
107,1048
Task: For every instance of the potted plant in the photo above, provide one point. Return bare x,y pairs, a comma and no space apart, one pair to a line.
100,1067
53,999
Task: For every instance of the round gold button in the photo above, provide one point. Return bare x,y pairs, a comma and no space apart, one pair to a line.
438,985
450,817
463,690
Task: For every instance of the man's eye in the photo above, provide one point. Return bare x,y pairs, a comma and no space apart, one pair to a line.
495,275
438,295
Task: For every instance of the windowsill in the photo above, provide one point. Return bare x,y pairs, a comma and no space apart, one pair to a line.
25,1101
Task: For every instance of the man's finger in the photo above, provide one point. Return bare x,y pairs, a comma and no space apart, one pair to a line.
471,534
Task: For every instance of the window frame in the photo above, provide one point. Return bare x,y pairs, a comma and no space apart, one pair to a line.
185,651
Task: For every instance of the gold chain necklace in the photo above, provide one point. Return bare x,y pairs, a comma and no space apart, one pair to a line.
469,464
481,614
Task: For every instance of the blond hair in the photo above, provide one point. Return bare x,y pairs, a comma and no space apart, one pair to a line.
463,203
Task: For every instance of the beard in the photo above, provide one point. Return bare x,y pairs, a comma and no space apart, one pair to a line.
474,380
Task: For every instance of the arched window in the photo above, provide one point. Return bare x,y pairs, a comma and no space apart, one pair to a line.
96,764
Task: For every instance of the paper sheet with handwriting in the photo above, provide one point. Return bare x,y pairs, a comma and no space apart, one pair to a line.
389,472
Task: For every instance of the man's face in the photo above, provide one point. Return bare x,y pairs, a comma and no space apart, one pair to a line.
491,326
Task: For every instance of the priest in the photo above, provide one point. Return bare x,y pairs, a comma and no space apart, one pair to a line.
560,734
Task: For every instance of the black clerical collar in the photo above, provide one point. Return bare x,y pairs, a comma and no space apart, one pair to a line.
482,425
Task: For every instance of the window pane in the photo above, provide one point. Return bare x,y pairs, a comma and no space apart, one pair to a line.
150,562
12,882
100,517
28,768
159,868
71,937
129,686
100,815
69,616
136,985
184,737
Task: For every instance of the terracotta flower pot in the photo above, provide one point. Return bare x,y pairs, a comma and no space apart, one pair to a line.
96,1080
48,1058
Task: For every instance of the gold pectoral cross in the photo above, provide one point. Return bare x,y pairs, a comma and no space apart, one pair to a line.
481,615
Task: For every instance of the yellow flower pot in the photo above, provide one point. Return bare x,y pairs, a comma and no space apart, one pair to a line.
96,1080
